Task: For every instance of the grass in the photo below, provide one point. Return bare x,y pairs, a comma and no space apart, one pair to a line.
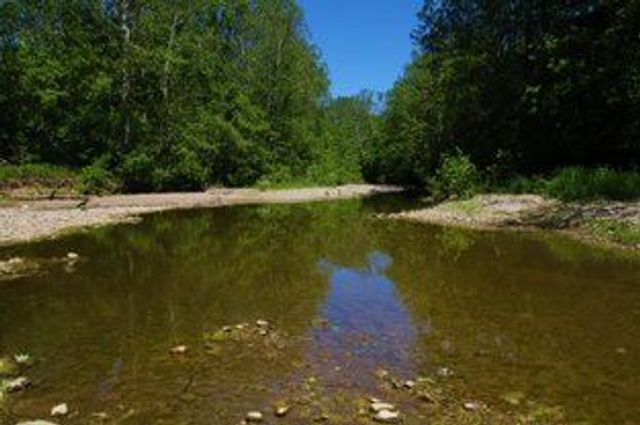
465,206
622,232
581,184
34,173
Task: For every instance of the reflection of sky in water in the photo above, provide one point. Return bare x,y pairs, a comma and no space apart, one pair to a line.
368,325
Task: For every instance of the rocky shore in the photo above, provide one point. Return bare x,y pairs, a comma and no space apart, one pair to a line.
605,223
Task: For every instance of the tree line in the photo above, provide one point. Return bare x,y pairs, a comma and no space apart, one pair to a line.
148,95
518,87
168,94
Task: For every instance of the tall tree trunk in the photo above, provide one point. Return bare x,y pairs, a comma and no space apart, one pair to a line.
167,63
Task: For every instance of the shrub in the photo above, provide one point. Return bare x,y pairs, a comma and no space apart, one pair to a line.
96,179
457,175
581,184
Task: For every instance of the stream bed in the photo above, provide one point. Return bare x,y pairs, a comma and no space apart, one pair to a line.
201,316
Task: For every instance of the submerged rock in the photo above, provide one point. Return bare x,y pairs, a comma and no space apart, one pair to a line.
72,256
17,267
445,372
60,410
281,410
8,367
18,384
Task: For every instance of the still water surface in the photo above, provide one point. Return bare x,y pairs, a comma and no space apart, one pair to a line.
349,295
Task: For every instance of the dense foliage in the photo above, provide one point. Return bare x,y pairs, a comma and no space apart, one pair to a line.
181,94
519,87
162,94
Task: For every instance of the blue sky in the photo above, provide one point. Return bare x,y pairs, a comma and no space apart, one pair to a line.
365,43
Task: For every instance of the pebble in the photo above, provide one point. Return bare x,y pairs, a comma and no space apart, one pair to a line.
426,397
281,411
179,350
379,406
387,416
17,384
445,372
409,384
60,410
22,359
262,323
72,256
254,417
471,406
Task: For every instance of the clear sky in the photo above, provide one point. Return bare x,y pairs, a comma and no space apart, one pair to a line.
365,43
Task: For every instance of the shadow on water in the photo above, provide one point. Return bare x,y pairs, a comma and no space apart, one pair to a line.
552,319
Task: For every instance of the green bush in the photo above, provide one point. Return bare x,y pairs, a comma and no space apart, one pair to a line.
583,184
457,175
96,179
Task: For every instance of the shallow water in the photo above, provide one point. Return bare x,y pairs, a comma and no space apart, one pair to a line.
348,295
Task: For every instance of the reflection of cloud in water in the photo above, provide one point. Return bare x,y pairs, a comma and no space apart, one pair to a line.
368,325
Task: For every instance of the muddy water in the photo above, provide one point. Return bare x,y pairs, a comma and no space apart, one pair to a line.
349,297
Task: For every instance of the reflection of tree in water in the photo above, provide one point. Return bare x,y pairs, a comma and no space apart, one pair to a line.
368,327
454,242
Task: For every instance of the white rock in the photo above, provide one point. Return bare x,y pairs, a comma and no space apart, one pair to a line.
180,349
262,323
379,406
387,416
254,417
72,256
17,384
22,359
60,410
445,372
281,411
409,384
471,406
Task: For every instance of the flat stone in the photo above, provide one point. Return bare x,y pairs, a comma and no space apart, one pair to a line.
37,422
178,350
254,417
471,406
262,323
387,416
72,256
60,410
379,406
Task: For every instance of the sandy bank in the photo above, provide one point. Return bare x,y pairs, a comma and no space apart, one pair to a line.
587,221
29,220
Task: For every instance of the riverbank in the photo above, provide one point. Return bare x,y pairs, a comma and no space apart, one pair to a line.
605,223
23,221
